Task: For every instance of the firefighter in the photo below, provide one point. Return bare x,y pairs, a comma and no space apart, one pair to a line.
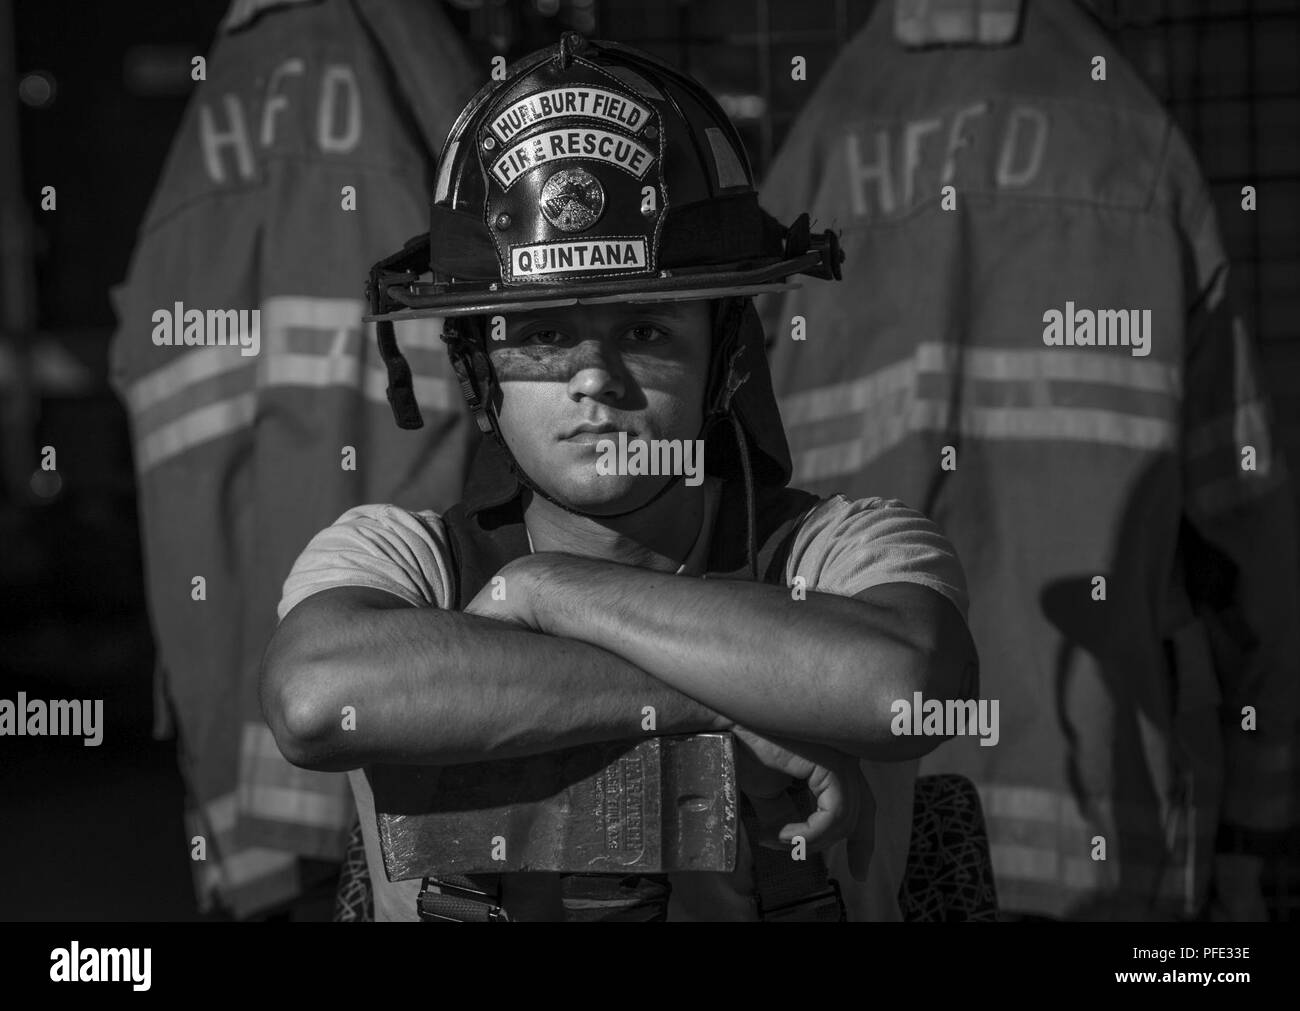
595,241
297,163
1047,363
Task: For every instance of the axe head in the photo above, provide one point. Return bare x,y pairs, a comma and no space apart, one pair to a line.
659,805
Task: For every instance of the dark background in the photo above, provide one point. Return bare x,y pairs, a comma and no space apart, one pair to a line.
100,89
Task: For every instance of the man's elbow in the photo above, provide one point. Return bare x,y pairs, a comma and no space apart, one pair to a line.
942,661
932,672
302,717
899,727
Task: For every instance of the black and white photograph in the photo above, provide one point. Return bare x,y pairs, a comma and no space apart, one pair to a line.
607,461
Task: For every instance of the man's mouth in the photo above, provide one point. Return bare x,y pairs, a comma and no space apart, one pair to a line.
591,432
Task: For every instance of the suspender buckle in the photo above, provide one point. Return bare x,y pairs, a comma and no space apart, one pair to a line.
441,901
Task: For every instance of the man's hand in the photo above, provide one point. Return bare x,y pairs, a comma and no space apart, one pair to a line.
767,767
1237,889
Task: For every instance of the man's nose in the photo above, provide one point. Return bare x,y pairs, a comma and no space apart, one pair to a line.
597,372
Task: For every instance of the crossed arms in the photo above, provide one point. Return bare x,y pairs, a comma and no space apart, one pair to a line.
579,648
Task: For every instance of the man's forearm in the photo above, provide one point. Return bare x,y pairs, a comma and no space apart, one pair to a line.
823,668
428,686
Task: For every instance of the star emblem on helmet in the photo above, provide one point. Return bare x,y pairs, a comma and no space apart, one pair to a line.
572,199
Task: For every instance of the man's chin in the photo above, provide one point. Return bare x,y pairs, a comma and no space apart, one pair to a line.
608,495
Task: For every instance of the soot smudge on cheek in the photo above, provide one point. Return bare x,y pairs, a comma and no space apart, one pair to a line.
530,364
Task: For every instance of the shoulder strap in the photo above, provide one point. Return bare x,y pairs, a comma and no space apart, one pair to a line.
481,545
777,515
786,889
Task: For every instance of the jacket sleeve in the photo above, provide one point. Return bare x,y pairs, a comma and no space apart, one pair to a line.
1243,569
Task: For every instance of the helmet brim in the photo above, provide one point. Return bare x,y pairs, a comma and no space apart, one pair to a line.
420,300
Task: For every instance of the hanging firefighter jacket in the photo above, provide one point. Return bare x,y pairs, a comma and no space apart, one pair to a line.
1042,357
256,395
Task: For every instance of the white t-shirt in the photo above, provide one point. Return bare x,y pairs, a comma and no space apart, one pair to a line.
840,547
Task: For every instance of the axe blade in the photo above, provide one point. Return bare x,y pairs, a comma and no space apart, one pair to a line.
659,805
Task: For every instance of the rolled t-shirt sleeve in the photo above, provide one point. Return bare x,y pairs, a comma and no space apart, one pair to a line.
379,546
845,546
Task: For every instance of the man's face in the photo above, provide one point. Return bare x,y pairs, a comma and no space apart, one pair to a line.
571,377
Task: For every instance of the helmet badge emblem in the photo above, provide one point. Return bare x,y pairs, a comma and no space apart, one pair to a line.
572,199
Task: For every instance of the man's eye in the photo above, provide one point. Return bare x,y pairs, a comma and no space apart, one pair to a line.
545,337
646,333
